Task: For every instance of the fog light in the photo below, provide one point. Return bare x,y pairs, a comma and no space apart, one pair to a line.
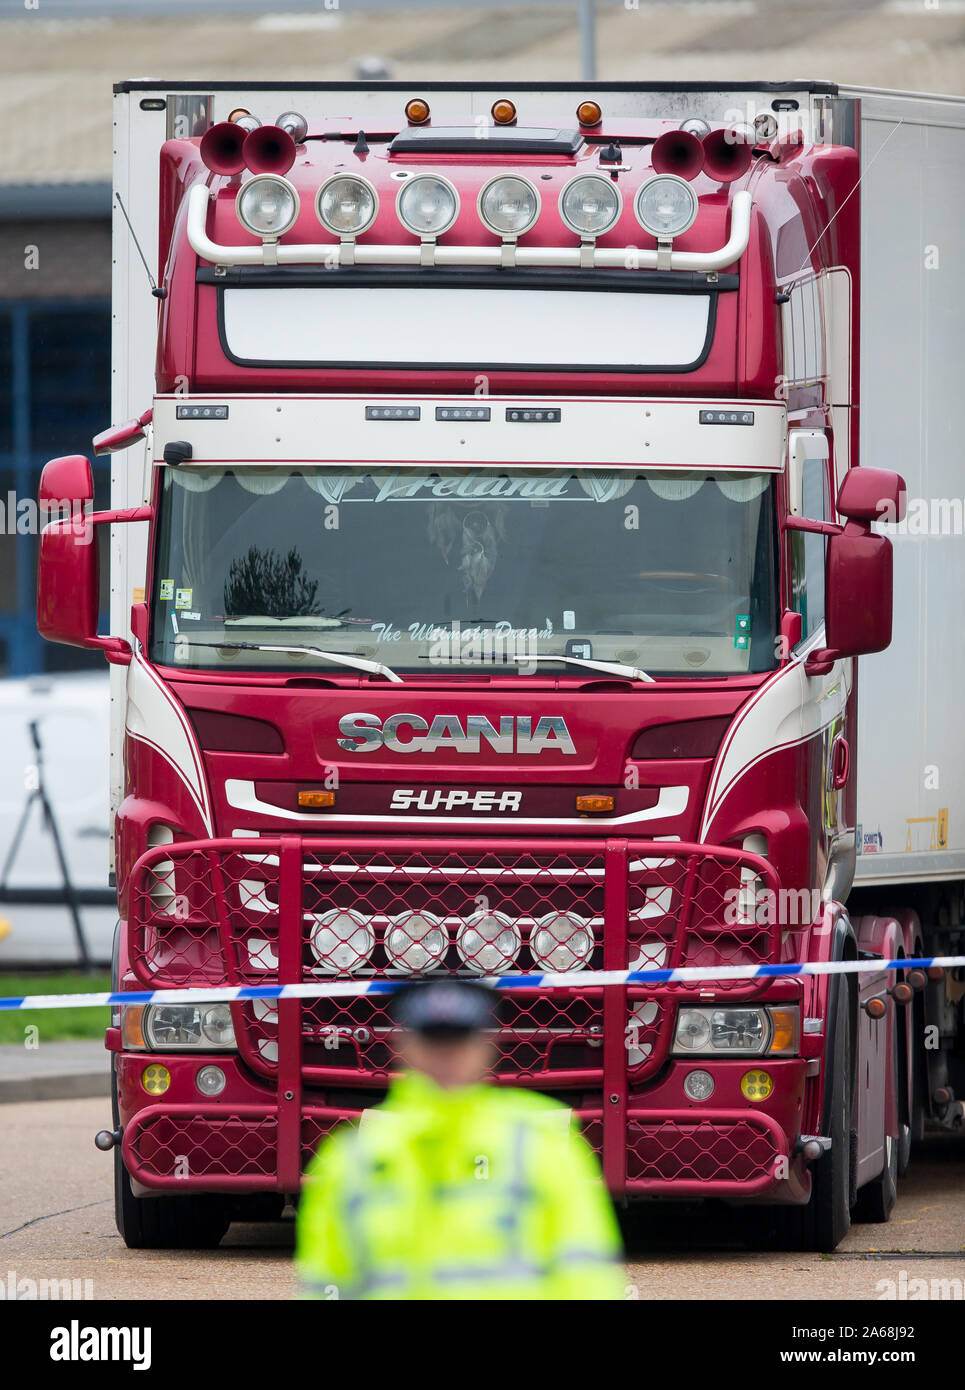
698,1085
756,1085
267,206
155,1079
210,1081
666,206
341,941
590,205
508,205
346,204
427,205
416,942
562,942
488,942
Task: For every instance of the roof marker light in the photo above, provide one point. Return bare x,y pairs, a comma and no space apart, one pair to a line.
589,113
504,111
417,111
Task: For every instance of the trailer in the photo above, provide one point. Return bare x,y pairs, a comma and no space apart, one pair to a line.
511,480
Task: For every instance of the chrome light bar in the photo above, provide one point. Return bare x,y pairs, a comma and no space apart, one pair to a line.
349,252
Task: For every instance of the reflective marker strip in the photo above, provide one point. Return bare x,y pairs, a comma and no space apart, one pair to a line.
336,989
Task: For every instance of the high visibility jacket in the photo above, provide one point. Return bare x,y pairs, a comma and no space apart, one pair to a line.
478,1192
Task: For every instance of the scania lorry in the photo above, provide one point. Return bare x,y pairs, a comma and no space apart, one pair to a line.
535,546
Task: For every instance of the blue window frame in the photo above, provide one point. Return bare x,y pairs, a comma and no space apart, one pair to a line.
55,383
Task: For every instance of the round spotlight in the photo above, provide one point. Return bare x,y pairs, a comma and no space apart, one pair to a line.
247,121
267,206
666,206
561,942
589,113
427,205
504,111
346,205
416,941
508,205
155,1079
590,205
698,1085
488,942
341,941
695,126
417,111
756,1085
210,1081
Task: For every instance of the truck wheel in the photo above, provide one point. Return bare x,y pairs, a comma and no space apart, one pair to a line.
826,1219
195,1222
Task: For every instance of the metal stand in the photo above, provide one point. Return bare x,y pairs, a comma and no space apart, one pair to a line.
48,819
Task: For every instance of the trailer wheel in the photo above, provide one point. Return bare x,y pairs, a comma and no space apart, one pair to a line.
876,1198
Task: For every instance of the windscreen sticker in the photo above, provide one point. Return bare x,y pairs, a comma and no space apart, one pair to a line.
184,598
742,631
174,623
191,617
167,590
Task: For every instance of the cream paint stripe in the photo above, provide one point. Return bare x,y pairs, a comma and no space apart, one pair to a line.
193,778
241,795
755,734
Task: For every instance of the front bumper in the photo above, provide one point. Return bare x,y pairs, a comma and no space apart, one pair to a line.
252,1140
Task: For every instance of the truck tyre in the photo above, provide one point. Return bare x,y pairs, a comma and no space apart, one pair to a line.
195,1222
826,1219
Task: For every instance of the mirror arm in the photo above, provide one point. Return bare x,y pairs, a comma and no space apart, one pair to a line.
117,650
803,523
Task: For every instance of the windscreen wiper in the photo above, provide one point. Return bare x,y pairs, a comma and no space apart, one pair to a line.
609,668
358,663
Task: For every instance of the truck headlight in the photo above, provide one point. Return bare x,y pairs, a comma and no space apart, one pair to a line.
346,205
508,205
267,205
666,206
416,941
341,941
427,204
738,1031
176,1027
561,942
489,942
590,205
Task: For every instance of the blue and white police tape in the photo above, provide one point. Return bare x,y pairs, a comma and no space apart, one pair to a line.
334,989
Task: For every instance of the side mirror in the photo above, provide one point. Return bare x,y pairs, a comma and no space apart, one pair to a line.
68,574
872,494
858,592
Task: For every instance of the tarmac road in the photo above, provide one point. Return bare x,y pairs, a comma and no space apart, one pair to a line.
57,1222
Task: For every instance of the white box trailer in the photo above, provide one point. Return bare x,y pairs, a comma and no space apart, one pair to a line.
911,734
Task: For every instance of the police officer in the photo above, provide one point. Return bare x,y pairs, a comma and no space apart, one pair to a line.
453,1188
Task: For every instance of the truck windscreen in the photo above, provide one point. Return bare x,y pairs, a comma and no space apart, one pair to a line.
426,570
